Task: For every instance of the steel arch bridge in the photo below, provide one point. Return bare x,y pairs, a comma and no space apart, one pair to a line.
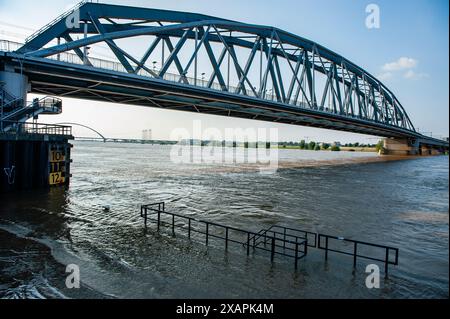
206,65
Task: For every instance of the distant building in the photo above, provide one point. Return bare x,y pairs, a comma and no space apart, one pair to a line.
146,135
337,144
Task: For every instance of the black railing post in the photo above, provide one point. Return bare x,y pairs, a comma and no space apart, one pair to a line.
207,231
296,255
386,263
159,219
189,228
326,248
355,253
248,243
173,225
306,246
226,238
272,253
284,237
145,217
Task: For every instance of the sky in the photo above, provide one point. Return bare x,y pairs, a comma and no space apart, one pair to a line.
409,53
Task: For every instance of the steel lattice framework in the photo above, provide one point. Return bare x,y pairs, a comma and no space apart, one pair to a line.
249,61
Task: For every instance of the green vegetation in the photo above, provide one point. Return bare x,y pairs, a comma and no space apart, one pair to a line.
317,146
380,146
302,144
335,148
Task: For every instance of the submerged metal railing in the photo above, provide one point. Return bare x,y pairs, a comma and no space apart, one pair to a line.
355,250
277,240
295,247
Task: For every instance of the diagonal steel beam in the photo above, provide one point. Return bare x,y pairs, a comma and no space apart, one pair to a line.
197,48
77,51
235,60
248,65
216,67
219,63
280,79
148,53
112,45
173,57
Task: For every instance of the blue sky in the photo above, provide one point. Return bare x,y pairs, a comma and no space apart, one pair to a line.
409,52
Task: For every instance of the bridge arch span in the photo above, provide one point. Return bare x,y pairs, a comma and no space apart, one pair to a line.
204,64
84,126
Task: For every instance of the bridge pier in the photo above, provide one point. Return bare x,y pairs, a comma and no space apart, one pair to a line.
15,83
401,147
405,147
29,160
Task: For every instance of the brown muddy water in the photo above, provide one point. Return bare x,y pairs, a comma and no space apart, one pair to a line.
402,203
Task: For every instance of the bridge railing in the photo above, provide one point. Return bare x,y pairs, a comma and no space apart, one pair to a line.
116,66
15,128
9,46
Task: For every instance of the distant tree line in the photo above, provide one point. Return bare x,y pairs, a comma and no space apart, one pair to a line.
311,146
359,145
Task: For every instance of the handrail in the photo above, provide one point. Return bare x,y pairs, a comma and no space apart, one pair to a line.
290,244
50,24
284,233
356,243
288,248
35,128
45,102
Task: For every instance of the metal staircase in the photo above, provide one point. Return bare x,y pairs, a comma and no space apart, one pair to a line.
13,110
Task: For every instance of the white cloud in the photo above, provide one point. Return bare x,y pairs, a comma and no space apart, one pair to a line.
411,75
402,63
385,76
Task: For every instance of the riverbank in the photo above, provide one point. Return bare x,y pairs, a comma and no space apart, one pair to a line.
342,148
29,271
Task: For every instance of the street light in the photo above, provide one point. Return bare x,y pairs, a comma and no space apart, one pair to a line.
203,78
154,65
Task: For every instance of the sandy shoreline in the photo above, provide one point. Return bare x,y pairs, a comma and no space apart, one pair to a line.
297,164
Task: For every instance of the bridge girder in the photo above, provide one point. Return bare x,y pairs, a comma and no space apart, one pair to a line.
302,74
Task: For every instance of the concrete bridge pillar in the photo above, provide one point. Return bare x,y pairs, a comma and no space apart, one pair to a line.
15,84
395,146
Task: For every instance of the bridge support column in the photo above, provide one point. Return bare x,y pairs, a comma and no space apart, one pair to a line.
31,161
402,147
15,83
426,150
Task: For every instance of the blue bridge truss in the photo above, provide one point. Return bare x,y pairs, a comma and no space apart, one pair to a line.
198,63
